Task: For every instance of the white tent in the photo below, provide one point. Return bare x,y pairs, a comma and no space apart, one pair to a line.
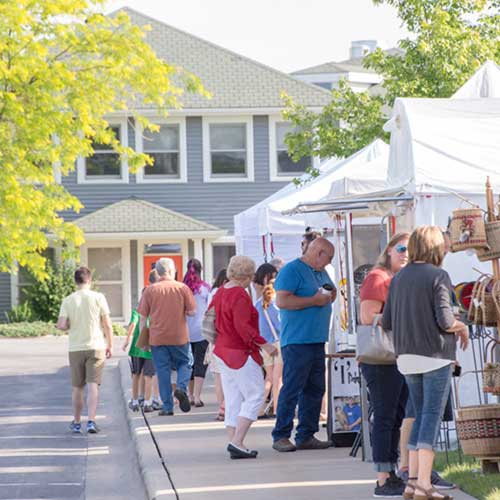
484,83
364,171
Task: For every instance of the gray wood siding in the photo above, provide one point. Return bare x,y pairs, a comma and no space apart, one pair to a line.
134,280
5,303
209,202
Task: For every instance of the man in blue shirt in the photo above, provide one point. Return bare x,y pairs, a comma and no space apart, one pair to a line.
304,294
352,411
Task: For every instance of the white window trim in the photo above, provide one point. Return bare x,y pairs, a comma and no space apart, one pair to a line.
139,147
273,159
125,281
81,161
207,162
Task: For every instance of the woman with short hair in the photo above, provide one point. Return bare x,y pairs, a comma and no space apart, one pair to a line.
419,312
237,349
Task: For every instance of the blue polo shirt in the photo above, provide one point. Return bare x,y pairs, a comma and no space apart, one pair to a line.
353,413
312,324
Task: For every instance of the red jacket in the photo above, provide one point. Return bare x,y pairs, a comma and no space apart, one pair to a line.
237,324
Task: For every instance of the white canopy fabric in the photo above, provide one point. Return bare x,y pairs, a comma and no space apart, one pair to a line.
444,145
484,83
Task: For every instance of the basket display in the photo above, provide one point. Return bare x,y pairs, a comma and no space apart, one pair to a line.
493,238
467,230
478,429
491,371
485,302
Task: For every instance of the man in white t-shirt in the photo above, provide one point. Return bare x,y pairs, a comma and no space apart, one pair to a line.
85,315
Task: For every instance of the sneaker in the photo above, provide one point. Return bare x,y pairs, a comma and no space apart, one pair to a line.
157,405
148,409
403,475
390,489
133,406
92,427
439,483
284,445
314,444
141,401
76,427
165,413
235,452
183,399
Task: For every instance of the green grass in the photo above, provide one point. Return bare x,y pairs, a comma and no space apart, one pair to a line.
40,329
468,476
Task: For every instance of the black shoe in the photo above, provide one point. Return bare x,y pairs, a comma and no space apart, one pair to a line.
236,453
439,483
390,489
164,413
148,409
183,399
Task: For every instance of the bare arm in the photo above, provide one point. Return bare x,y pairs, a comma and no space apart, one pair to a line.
108,333
62,323
130,331
142,322
369,309
287,300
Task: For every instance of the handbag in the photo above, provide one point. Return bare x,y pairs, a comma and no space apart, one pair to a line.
493,238
467,230
374,345
208,330
143,339
485,303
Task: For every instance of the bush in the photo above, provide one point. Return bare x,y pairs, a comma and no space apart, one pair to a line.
45,297
24,329
21,313
119,331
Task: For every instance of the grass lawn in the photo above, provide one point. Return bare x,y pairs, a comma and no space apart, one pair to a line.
468,476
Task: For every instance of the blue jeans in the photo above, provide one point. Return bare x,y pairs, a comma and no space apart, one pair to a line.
166,357
388,396
429,393
303,384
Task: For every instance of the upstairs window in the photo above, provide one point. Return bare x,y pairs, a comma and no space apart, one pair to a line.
282,165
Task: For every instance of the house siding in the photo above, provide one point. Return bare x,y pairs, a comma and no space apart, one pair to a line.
5,298
134,278
213,203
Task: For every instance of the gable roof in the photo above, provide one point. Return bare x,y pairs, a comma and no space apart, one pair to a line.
354,65
139,216
235,81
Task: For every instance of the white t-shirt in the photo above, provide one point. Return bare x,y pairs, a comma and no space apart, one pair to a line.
413,364
84,310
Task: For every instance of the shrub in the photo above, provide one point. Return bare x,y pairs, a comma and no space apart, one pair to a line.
20,313
119,331
24,329
45,297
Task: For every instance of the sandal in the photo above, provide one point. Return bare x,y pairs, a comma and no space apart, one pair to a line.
411,485
220,417
200,404
430,494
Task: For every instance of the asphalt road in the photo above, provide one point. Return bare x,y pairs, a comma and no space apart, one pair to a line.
39,457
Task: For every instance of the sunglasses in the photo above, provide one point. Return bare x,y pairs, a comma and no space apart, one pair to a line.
401,248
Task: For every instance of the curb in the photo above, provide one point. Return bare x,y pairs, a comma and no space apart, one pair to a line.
150,466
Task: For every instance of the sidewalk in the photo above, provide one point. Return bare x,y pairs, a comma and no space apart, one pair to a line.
193,446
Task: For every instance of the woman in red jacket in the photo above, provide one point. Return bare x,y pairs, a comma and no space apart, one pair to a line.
237,353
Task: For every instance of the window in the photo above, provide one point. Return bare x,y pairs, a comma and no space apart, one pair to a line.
105,165
25,278
107,267
221,256
167,148
282,166
228,150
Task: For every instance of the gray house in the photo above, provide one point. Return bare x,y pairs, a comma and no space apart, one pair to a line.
213,159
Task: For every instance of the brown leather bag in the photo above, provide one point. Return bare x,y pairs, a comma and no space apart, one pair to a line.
143,339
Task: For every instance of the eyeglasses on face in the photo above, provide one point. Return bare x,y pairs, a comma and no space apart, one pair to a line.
401,248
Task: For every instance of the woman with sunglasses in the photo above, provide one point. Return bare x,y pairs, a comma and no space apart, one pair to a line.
386,386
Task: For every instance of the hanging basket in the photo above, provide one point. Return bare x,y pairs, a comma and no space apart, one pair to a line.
467,230
478,428
485,302
493,239
491,372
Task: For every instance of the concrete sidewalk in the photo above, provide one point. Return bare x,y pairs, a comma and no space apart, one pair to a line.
193,447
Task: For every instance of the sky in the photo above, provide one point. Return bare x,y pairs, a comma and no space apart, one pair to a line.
285,34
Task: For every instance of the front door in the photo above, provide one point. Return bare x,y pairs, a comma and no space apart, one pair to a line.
150,260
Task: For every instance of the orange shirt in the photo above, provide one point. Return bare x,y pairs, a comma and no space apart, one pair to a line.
166,303
376,285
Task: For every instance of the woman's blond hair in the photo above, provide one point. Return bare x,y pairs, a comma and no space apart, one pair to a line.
240,267
426,245
384,259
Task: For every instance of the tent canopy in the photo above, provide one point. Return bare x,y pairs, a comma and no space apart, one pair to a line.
484,83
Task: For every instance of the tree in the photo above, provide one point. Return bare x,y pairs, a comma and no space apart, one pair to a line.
448,42
64,66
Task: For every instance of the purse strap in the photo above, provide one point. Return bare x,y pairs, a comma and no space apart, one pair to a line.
271,326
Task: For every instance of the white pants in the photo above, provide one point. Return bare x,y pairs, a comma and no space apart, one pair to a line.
243,391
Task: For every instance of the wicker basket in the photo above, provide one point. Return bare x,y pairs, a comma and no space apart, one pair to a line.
493,239
467,230
478,429
491,371
485,303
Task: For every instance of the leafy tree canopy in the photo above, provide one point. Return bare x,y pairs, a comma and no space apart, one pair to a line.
64,67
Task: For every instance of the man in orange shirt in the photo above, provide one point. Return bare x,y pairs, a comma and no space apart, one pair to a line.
167,303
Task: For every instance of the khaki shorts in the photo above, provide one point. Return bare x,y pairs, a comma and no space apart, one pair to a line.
271,360
86,367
